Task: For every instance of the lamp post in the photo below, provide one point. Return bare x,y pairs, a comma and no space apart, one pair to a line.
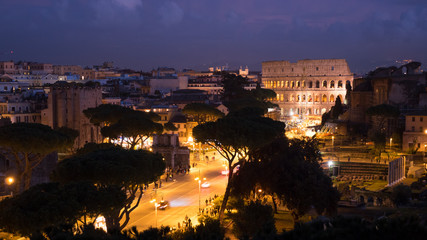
155,208
200,182
391,141
333,138
9,182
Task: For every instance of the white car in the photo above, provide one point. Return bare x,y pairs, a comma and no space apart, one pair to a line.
205,185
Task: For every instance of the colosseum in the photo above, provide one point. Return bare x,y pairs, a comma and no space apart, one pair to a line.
307,88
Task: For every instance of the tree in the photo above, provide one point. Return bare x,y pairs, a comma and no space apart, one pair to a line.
133,128
105,114
124,124
290,170
254,221
382,112
202,112
51,205
337,109
233,86
128,170
26,145
334,113
169,126
236,97
234,138
72,135
401,195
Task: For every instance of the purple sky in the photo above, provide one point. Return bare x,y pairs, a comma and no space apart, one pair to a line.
144,34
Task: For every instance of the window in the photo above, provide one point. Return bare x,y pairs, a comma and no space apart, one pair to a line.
413,119
317,68
332,68
340,84
421,129
332,85
413,129
325,84
421,119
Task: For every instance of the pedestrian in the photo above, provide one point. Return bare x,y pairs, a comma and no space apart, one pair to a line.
179,225
189,223
206,202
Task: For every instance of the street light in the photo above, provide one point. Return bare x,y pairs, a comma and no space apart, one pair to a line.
200,181
155,208
333,140
391,140
10,181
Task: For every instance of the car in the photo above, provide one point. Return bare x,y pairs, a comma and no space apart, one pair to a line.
224,172
205,185
162,205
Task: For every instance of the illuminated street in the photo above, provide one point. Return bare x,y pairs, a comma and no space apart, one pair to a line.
183,197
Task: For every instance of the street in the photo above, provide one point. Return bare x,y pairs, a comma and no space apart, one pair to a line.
182,195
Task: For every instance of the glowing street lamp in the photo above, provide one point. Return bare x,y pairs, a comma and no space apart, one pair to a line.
9,182
391,140
200,182
156,205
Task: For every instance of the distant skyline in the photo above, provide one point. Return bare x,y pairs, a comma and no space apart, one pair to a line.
197,34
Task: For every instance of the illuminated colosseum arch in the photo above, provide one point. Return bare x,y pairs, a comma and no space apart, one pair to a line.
324,83
324,98
317,84
332,84
339,84
332,98
310,84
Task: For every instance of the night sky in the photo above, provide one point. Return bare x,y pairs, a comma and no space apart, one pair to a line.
145,34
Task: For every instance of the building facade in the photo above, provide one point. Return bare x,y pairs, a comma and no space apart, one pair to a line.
66,103
307,88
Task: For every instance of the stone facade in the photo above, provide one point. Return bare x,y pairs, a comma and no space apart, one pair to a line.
415,134
176,157
65,109
307,87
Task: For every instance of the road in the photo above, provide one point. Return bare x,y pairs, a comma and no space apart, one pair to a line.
183,196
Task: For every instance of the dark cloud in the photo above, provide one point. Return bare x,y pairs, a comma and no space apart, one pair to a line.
200,33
